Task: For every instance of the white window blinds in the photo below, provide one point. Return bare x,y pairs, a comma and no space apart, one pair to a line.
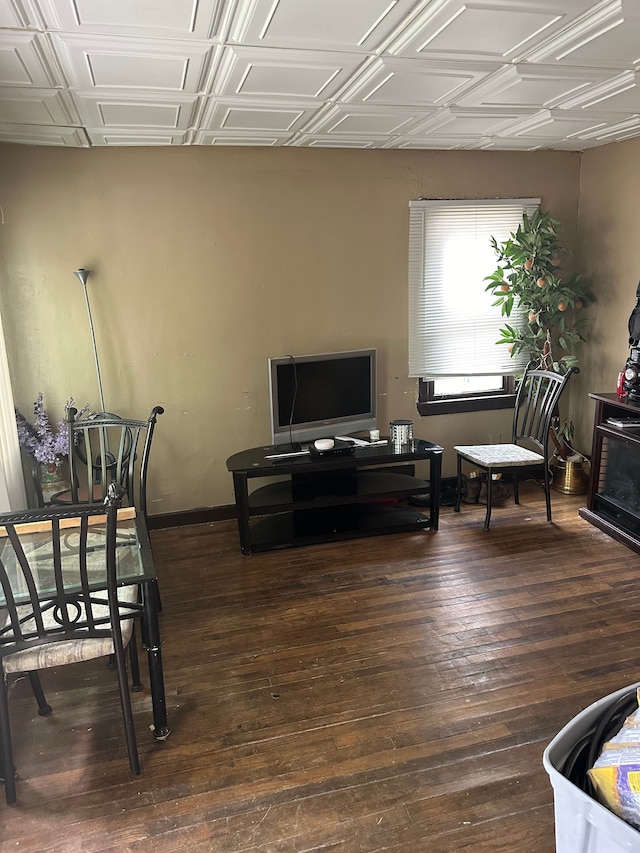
453,326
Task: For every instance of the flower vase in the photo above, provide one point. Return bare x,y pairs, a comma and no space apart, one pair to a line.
51,479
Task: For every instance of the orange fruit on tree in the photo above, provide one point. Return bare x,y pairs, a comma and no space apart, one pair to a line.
541,282
528,264
505,288
579,304
562,306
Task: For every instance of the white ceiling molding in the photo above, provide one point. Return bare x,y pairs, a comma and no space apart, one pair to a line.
285,74
518,75
35,107
132,63
25,60
177,19
132,110
27,134
144,138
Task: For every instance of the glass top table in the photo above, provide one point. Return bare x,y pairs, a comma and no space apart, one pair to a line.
36,541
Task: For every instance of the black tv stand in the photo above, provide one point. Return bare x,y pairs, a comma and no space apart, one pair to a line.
309,500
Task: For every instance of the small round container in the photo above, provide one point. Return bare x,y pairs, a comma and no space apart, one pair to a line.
400,432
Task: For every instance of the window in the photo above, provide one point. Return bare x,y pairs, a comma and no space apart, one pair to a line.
453,326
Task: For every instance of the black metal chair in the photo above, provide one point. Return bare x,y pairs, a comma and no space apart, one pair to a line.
536,401
50,627
104,449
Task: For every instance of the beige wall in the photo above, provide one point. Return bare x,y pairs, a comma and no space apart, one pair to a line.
204,262
609,251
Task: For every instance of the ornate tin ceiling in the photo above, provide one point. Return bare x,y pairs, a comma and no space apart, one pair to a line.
412,74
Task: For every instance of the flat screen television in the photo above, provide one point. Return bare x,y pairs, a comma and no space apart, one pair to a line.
324,395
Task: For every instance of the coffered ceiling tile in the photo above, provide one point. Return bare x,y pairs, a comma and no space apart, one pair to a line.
179,19
325,25
147,138
151,110
109,62
267,72
253,140
613,132
606,36
37,106
25,60
353,119
401,82
244,115
440,143
418,74
491,29
550,125
28,134
497,143
525,85
620,94
14,15
574,144
317,140
467,123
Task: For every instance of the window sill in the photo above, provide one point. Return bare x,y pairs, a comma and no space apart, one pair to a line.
466,404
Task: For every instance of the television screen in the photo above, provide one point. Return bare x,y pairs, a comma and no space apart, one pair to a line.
316,396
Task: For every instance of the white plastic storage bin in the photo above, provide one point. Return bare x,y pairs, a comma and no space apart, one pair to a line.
583,825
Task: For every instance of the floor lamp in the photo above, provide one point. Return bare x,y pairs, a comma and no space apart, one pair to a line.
83,275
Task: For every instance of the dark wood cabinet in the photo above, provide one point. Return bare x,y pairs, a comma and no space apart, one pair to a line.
613,499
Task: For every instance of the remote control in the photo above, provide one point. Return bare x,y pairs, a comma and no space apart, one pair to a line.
287,455
357,441
621,423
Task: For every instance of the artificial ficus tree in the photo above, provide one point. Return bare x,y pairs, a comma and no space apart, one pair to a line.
529,275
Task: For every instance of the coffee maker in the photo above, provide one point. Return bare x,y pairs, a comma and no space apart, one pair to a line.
631,382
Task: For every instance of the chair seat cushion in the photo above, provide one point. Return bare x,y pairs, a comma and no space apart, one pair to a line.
72,651
498,455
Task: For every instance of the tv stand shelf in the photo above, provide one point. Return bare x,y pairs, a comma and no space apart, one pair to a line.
308,501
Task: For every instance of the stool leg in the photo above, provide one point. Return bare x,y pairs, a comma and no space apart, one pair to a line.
43,706
487,518
456,508
7,769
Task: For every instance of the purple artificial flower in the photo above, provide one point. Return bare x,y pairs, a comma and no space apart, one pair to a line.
39,439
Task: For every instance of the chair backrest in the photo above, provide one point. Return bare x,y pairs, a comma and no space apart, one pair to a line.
41,550
536,402
108,449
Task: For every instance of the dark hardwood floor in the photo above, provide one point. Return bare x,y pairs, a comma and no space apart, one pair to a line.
393,693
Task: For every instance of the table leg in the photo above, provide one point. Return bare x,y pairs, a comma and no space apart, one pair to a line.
152,644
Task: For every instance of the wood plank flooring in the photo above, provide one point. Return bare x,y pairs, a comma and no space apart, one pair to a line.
386,694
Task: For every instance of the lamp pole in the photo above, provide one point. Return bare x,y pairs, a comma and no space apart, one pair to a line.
83,275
